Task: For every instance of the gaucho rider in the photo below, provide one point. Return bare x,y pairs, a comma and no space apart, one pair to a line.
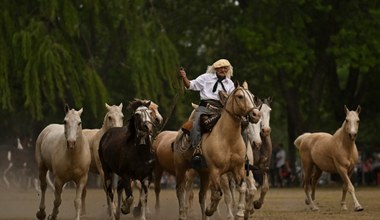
217,78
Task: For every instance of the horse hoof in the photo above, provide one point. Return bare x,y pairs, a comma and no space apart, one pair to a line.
359,209
136,211
50,217
41,215
240,214
314,209
257,204
208,212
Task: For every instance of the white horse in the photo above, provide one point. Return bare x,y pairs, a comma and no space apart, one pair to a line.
64,151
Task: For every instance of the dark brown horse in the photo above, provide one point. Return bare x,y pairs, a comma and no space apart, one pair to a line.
126,151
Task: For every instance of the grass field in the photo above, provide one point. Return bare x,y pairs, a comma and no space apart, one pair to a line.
280,204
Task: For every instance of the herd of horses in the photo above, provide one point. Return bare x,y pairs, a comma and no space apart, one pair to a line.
239,143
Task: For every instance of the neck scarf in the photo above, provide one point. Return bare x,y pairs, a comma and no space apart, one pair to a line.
220,79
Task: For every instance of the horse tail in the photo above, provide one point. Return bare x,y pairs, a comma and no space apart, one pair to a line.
299,139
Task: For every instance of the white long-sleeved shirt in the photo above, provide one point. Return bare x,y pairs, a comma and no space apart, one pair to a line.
205,83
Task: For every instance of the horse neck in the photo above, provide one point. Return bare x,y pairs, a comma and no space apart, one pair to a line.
341,136
228,126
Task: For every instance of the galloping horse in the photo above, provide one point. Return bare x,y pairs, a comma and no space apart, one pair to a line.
259,150
113,118
223,149
164,153
335,153
262,155
64,151
126,151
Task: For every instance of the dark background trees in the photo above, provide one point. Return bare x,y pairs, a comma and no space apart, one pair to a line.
312,57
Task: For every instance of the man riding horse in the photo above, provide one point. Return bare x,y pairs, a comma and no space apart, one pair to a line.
217,78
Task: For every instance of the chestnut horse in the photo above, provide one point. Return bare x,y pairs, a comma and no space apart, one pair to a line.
224,151
64,151
335,153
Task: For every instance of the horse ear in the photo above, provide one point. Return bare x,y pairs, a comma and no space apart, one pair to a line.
107,106
195,106
147,104
67,108
121,106
269,99
237,84
223,97
346,109
245,85
358,109
80,111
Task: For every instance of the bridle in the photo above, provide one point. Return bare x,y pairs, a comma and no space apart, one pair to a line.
142,133
233,114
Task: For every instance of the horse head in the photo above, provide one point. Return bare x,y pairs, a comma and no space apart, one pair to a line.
73,126
351,123
114,116
143,121
155,114
265,111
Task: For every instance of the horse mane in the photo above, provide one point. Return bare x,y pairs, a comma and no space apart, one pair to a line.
133,105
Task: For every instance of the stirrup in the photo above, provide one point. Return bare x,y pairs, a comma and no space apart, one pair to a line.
198,161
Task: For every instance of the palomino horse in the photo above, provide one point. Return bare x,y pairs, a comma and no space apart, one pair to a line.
113,118
335,153
64,151
224,151
127,152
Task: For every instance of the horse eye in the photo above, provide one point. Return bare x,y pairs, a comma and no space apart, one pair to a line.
240,96
109,118
79,123
64,122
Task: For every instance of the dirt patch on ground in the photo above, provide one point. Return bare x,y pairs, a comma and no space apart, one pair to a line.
284,203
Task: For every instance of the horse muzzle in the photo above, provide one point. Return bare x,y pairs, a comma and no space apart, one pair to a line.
254,116
266,131
352,136
70,144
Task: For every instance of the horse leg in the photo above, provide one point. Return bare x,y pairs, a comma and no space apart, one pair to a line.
41,214
264,189
242,198
216,193
180,192
84,193
232,184
108,188
189,194
144,198
314,180
308,169
347,186
157,184
125,183
203,193
251,191
224,184
80,197
58,184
